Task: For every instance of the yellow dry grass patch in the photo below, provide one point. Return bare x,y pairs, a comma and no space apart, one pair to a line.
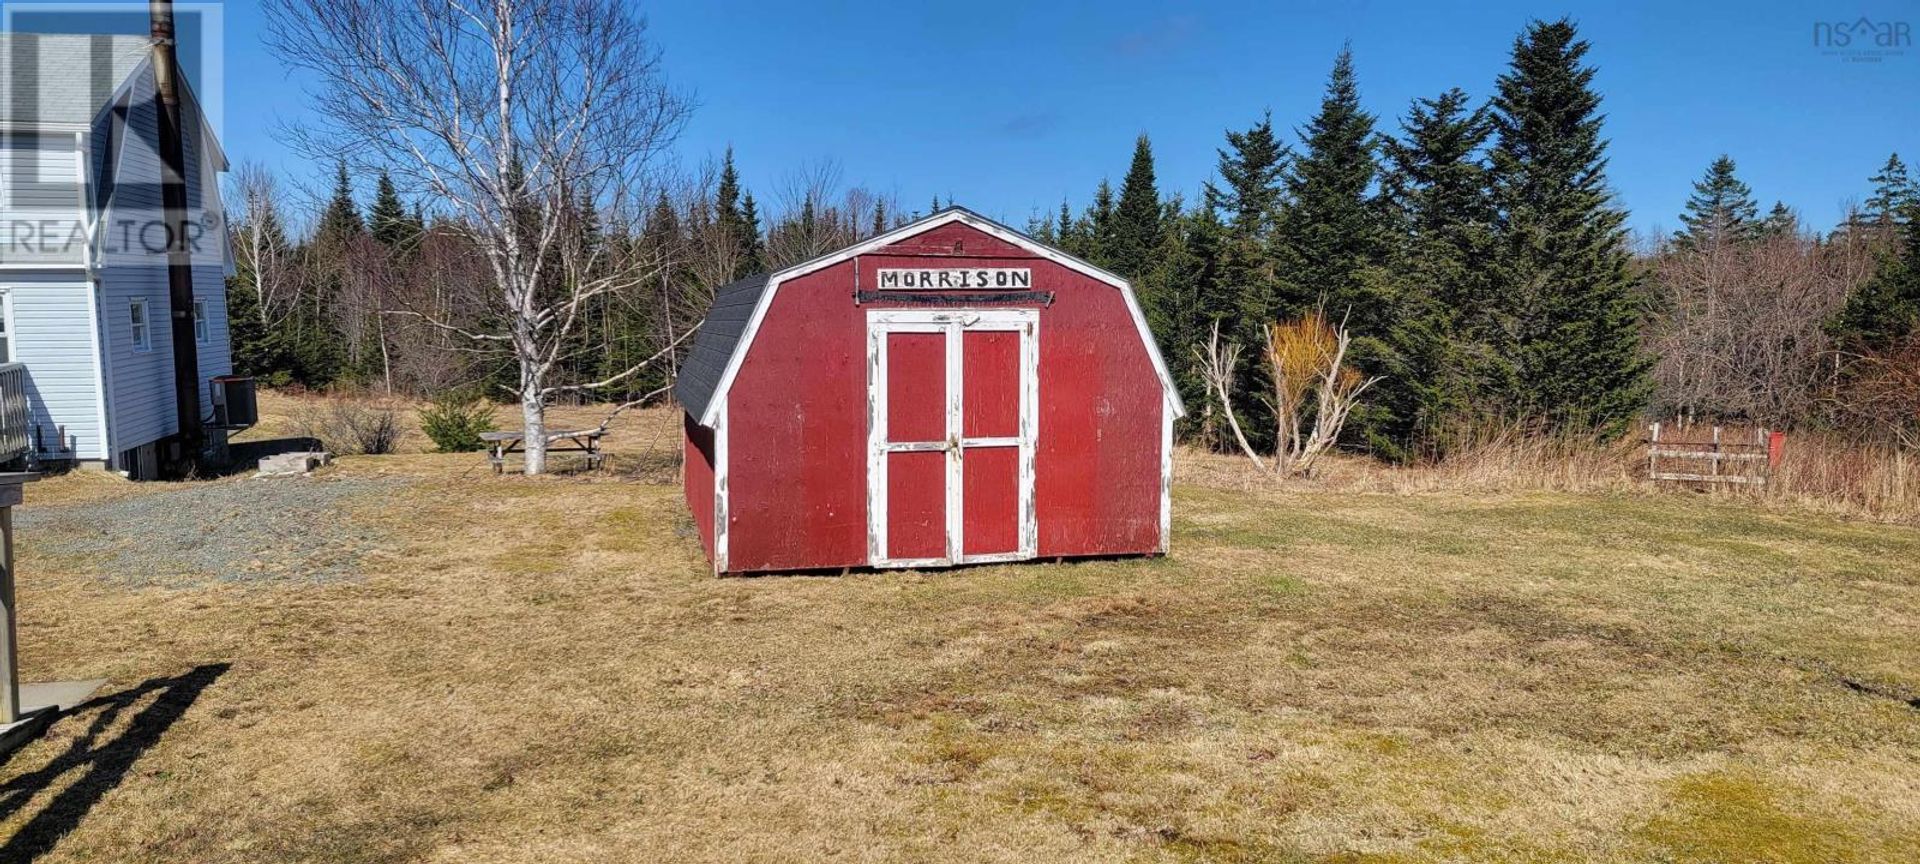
542,670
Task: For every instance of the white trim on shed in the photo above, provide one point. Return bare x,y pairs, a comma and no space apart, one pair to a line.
973,220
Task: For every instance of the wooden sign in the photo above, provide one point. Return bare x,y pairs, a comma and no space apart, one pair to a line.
1008,278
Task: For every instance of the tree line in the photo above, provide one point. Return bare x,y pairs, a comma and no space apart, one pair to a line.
1475,253
371,296
1487,276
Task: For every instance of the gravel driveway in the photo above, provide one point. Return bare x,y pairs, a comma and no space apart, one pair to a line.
294,529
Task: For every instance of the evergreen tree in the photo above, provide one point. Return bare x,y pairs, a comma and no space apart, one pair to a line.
753,250
1436,181
315,348
1894,194
1721,209
259,350
726,192
1330,235
341,218
1886,308
1096,231
1569,326
879,216
732,220
1136,219
1172,294
388,218
1779,222
1251,167
1241,290
1065,234
1040,227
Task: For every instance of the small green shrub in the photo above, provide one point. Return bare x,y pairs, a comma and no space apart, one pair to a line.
455,419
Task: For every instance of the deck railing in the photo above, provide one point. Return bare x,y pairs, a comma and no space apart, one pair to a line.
15,418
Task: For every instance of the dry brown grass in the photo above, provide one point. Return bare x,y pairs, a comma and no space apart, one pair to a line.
543,671
1820,472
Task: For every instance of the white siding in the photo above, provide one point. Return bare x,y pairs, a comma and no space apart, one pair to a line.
216,358
142,382
52,334
40,194
62,325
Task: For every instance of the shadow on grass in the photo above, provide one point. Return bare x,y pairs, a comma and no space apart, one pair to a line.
102,764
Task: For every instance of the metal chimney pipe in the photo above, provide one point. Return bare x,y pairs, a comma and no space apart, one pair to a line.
173,202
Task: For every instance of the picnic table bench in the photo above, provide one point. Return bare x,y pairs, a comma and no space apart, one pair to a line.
570,441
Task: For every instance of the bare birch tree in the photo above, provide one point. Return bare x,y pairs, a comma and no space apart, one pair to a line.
1219,369
511,115
261,249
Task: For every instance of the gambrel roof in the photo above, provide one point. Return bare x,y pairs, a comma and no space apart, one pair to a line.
64,79
738,308
719,335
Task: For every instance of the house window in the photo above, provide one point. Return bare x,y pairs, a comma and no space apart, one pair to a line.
142,334
200,321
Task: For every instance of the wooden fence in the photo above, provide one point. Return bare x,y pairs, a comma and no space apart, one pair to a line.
1714,461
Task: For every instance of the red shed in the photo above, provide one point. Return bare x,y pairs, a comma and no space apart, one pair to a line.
949,392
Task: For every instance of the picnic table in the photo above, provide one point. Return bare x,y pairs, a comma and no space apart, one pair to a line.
566,441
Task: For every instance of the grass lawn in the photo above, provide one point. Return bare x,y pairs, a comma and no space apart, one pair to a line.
543,670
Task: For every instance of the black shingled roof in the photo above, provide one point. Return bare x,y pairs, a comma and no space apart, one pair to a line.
713,346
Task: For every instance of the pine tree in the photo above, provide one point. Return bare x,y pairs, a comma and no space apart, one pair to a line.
1437,185
1330,234
1894,194
1721,209
1251,167
1095,233
1886,308
1240,290
388,217
879,217
1065,233
1779,222
1136,219
732,220
1040,227
1570,329
341,218
753,250
648,319
1170,291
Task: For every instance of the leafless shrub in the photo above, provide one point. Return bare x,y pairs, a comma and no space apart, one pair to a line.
1306,360
1738,331
350,426
1883,394
1308,357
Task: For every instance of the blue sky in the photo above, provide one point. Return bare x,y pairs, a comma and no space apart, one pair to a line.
1009,106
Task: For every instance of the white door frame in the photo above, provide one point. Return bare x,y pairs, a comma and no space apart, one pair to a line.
953,323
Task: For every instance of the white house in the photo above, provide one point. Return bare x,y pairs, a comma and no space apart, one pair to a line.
83,263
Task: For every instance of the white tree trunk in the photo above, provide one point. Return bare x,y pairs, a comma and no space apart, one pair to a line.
533,418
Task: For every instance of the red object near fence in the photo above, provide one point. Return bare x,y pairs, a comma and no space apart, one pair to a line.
1776,448
949,392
